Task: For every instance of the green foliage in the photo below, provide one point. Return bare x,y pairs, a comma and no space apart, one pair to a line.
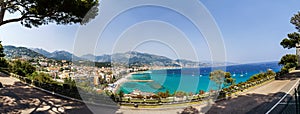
252,81
291,41
284,70
220,76
217,76
227,75
288,61
121,94
41,77
295,20
21,68
229,81
1,50
70,82
261,75
3,63
257,76
270,73
41,12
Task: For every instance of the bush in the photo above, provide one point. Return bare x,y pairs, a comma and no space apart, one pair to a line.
21,68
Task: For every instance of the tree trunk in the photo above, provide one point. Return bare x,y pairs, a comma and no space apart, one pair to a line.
2,10
298,55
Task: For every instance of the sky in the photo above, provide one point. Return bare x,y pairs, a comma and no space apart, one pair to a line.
251,31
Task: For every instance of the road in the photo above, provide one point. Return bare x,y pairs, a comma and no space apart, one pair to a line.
255,101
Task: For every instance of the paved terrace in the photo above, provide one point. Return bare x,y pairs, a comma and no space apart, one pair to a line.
258,100
17,97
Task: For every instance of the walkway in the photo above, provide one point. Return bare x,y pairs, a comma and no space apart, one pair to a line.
17,97
256,101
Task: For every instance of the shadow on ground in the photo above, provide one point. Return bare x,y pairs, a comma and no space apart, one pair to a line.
255,103
19,98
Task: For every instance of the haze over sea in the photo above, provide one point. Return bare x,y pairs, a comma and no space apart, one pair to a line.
190,79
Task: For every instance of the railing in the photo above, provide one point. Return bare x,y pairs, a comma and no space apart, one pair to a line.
63,89
289,103
68,92
296,95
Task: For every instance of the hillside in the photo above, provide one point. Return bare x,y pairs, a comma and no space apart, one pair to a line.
132,58
20,52
57,55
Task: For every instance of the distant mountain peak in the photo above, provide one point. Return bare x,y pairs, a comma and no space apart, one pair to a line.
17,52
135,58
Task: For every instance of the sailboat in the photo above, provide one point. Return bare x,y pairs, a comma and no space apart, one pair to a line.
242,74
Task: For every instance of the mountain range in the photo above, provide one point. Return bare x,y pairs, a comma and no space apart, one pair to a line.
23,52
130,58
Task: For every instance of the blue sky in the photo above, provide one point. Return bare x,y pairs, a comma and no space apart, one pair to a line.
251,29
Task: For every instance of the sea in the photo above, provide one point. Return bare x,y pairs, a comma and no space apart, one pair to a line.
191,80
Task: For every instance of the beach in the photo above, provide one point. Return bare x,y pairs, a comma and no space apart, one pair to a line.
124,79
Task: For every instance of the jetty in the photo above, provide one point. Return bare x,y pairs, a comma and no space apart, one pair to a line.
140,80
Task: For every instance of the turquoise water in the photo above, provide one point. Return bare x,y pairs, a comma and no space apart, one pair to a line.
190,79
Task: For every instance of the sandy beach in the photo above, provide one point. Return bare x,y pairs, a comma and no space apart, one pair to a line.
118,83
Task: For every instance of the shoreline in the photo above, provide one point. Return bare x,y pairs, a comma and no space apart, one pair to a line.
121,81
125,78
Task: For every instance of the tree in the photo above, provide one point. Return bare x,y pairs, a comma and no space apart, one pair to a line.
218,77
3,62
41,12
22,68
295,20
121,94
228,79
1,50
288,61
41,77
70,82
293,39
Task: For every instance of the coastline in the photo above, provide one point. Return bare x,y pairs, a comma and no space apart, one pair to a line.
121,81
126,77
